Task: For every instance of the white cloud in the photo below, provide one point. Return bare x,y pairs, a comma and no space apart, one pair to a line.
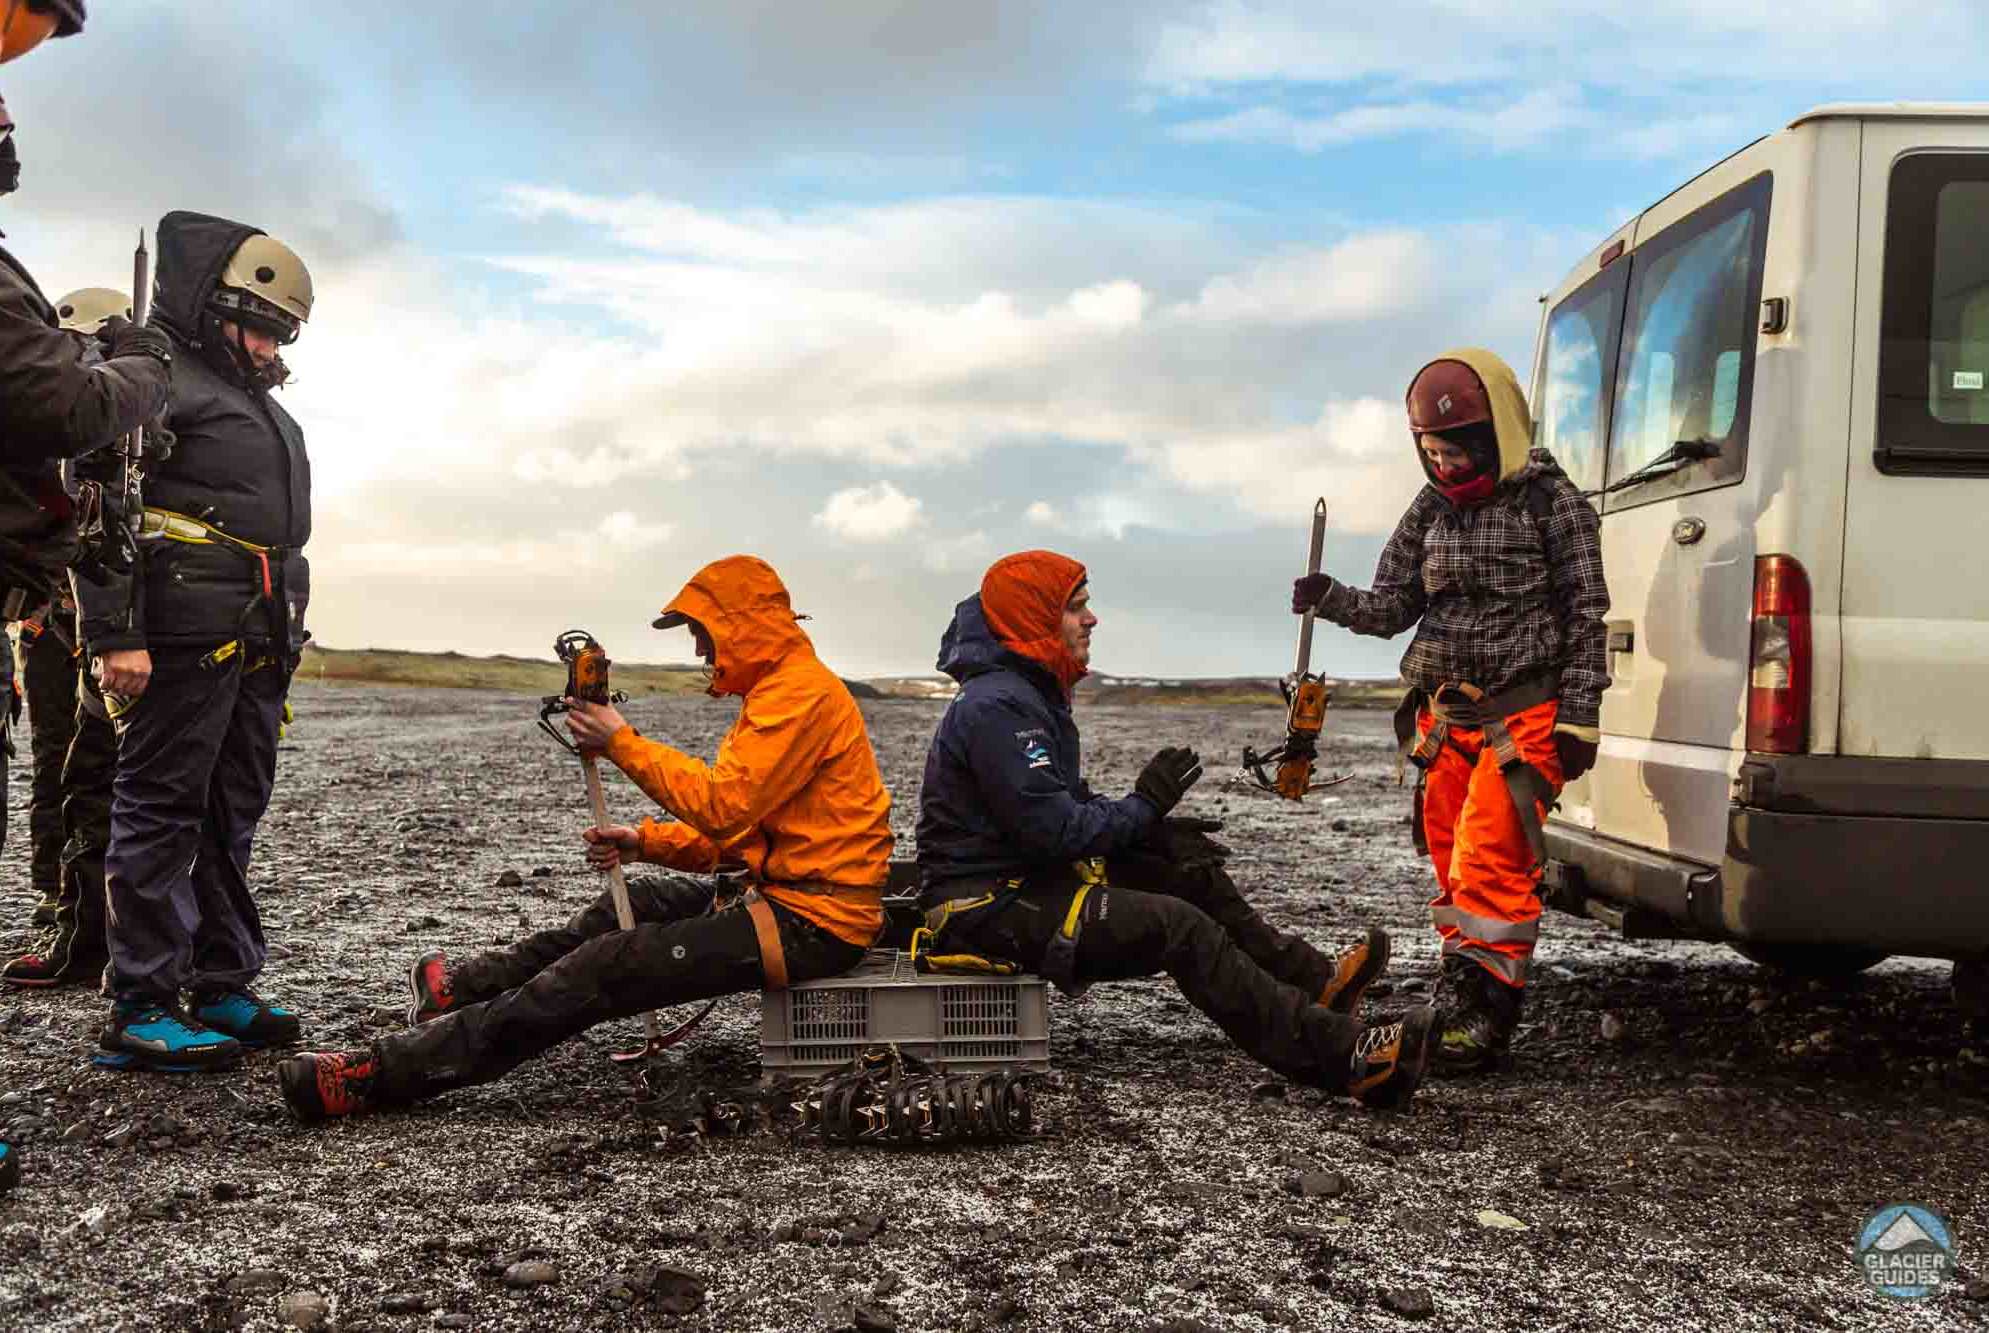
1042,511
623,529
1532,118
870,513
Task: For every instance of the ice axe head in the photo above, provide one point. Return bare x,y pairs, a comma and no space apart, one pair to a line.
586,679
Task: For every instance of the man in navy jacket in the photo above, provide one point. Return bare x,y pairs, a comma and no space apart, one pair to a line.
1019,859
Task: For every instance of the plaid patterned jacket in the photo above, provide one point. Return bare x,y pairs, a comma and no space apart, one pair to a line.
1499,596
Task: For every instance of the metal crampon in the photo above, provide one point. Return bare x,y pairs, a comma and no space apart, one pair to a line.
887,1098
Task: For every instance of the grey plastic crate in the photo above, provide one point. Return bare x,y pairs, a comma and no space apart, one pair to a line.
967,1023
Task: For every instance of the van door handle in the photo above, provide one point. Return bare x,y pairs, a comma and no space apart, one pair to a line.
1623,641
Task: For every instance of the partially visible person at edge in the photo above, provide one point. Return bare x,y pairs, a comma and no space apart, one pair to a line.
58,397
194,650
1020,860
75,758
794,799
1498,565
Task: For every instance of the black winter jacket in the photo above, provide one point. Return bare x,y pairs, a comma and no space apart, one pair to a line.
239,465
1003,795
58,399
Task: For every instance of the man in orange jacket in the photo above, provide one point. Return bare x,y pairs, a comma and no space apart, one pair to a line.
794,796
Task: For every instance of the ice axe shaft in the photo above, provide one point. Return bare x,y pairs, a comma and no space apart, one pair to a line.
618,890
1314,556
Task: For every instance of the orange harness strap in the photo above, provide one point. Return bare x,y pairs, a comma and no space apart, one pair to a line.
773,959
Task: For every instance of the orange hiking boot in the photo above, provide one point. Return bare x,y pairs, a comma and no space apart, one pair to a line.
319,1086
1389,1060
431,988
1354,970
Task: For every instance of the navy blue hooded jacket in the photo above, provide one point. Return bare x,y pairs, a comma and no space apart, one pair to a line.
1002,794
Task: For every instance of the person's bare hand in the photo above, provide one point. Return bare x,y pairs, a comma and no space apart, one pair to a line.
124,672
592,725
616,845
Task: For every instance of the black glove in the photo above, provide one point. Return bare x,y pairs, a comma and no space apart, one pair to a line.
1184,840
1577,755
1306,592
1167,777
123,338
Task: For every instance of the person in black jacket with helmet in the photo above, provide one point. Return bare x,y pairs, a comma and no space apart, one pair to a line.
194,652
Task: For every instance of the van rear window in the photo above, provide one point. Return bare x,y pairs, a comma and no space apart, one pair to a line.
1576,377
1934,340
1686,367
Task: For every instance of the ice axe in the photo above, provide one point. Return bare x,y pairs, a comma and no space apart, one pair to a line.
1305,695
587,666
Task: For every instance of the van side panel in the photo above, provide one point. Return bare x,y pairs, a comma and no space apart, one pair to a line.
1915,588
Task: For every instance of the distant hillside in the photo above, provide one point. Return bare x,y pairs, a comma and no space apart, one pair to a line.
1208,692
529,675
518,675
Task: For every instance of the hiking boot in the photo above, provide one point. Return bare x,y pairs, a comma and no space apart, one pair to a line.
44,914
10,1165
157,1036
318,1086
52,962
1476,1027
1357,966
1389,1060
248,1019
432,985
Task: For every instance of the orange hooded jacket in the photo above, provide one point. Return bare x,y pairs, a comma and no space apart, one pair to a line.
795,794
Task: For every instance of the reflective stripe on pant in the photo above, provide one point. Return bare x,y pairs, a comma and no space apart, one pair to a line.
1487,906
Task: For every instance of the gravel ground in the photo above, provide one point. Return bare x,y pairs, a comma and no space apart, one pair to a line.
1684,1141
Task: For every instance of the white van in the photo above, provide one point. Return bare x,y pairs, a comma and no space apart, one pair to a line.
1793,348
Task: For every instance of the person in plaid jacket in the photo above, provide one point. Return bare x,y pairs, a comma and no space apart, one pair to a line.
1498,566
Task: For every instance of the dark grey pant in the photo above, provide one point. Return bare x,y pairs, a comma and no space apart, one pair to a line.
50,682
1259,986
196,763
515,1003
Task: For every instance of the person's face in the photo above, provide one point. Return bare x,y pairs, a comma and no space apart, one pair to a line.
702,641
1078,621
262,347
1450,461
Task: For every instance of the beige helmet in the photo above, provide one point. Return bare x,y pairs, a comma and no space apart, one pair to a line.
85,309
265,284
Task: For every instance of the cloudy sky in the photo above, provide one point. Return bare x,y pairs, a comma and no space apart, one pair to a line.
880,289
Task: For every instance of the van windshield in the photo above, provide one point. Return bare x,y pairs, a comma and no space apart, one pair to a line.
1934,350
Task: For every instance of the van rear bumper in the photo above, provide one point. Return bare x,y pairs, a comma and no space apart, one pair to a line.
1906,886
1886,854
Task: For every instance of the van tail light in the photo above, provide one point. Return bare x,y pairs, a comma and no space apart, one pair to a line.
1778,678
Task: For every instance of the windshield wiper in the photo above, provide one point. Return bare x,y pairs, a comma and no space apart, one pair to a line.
1681,455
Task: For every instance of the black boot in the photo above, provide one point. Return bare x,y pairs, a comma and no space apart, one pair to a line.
1478,1016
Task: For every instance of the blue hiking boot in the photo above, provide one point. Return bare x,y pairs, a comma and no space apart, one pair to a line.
248,1019
10,1165
145,1034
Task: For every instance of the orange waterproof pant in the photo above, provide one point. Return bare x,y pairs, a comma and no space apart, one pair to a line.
1487,906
